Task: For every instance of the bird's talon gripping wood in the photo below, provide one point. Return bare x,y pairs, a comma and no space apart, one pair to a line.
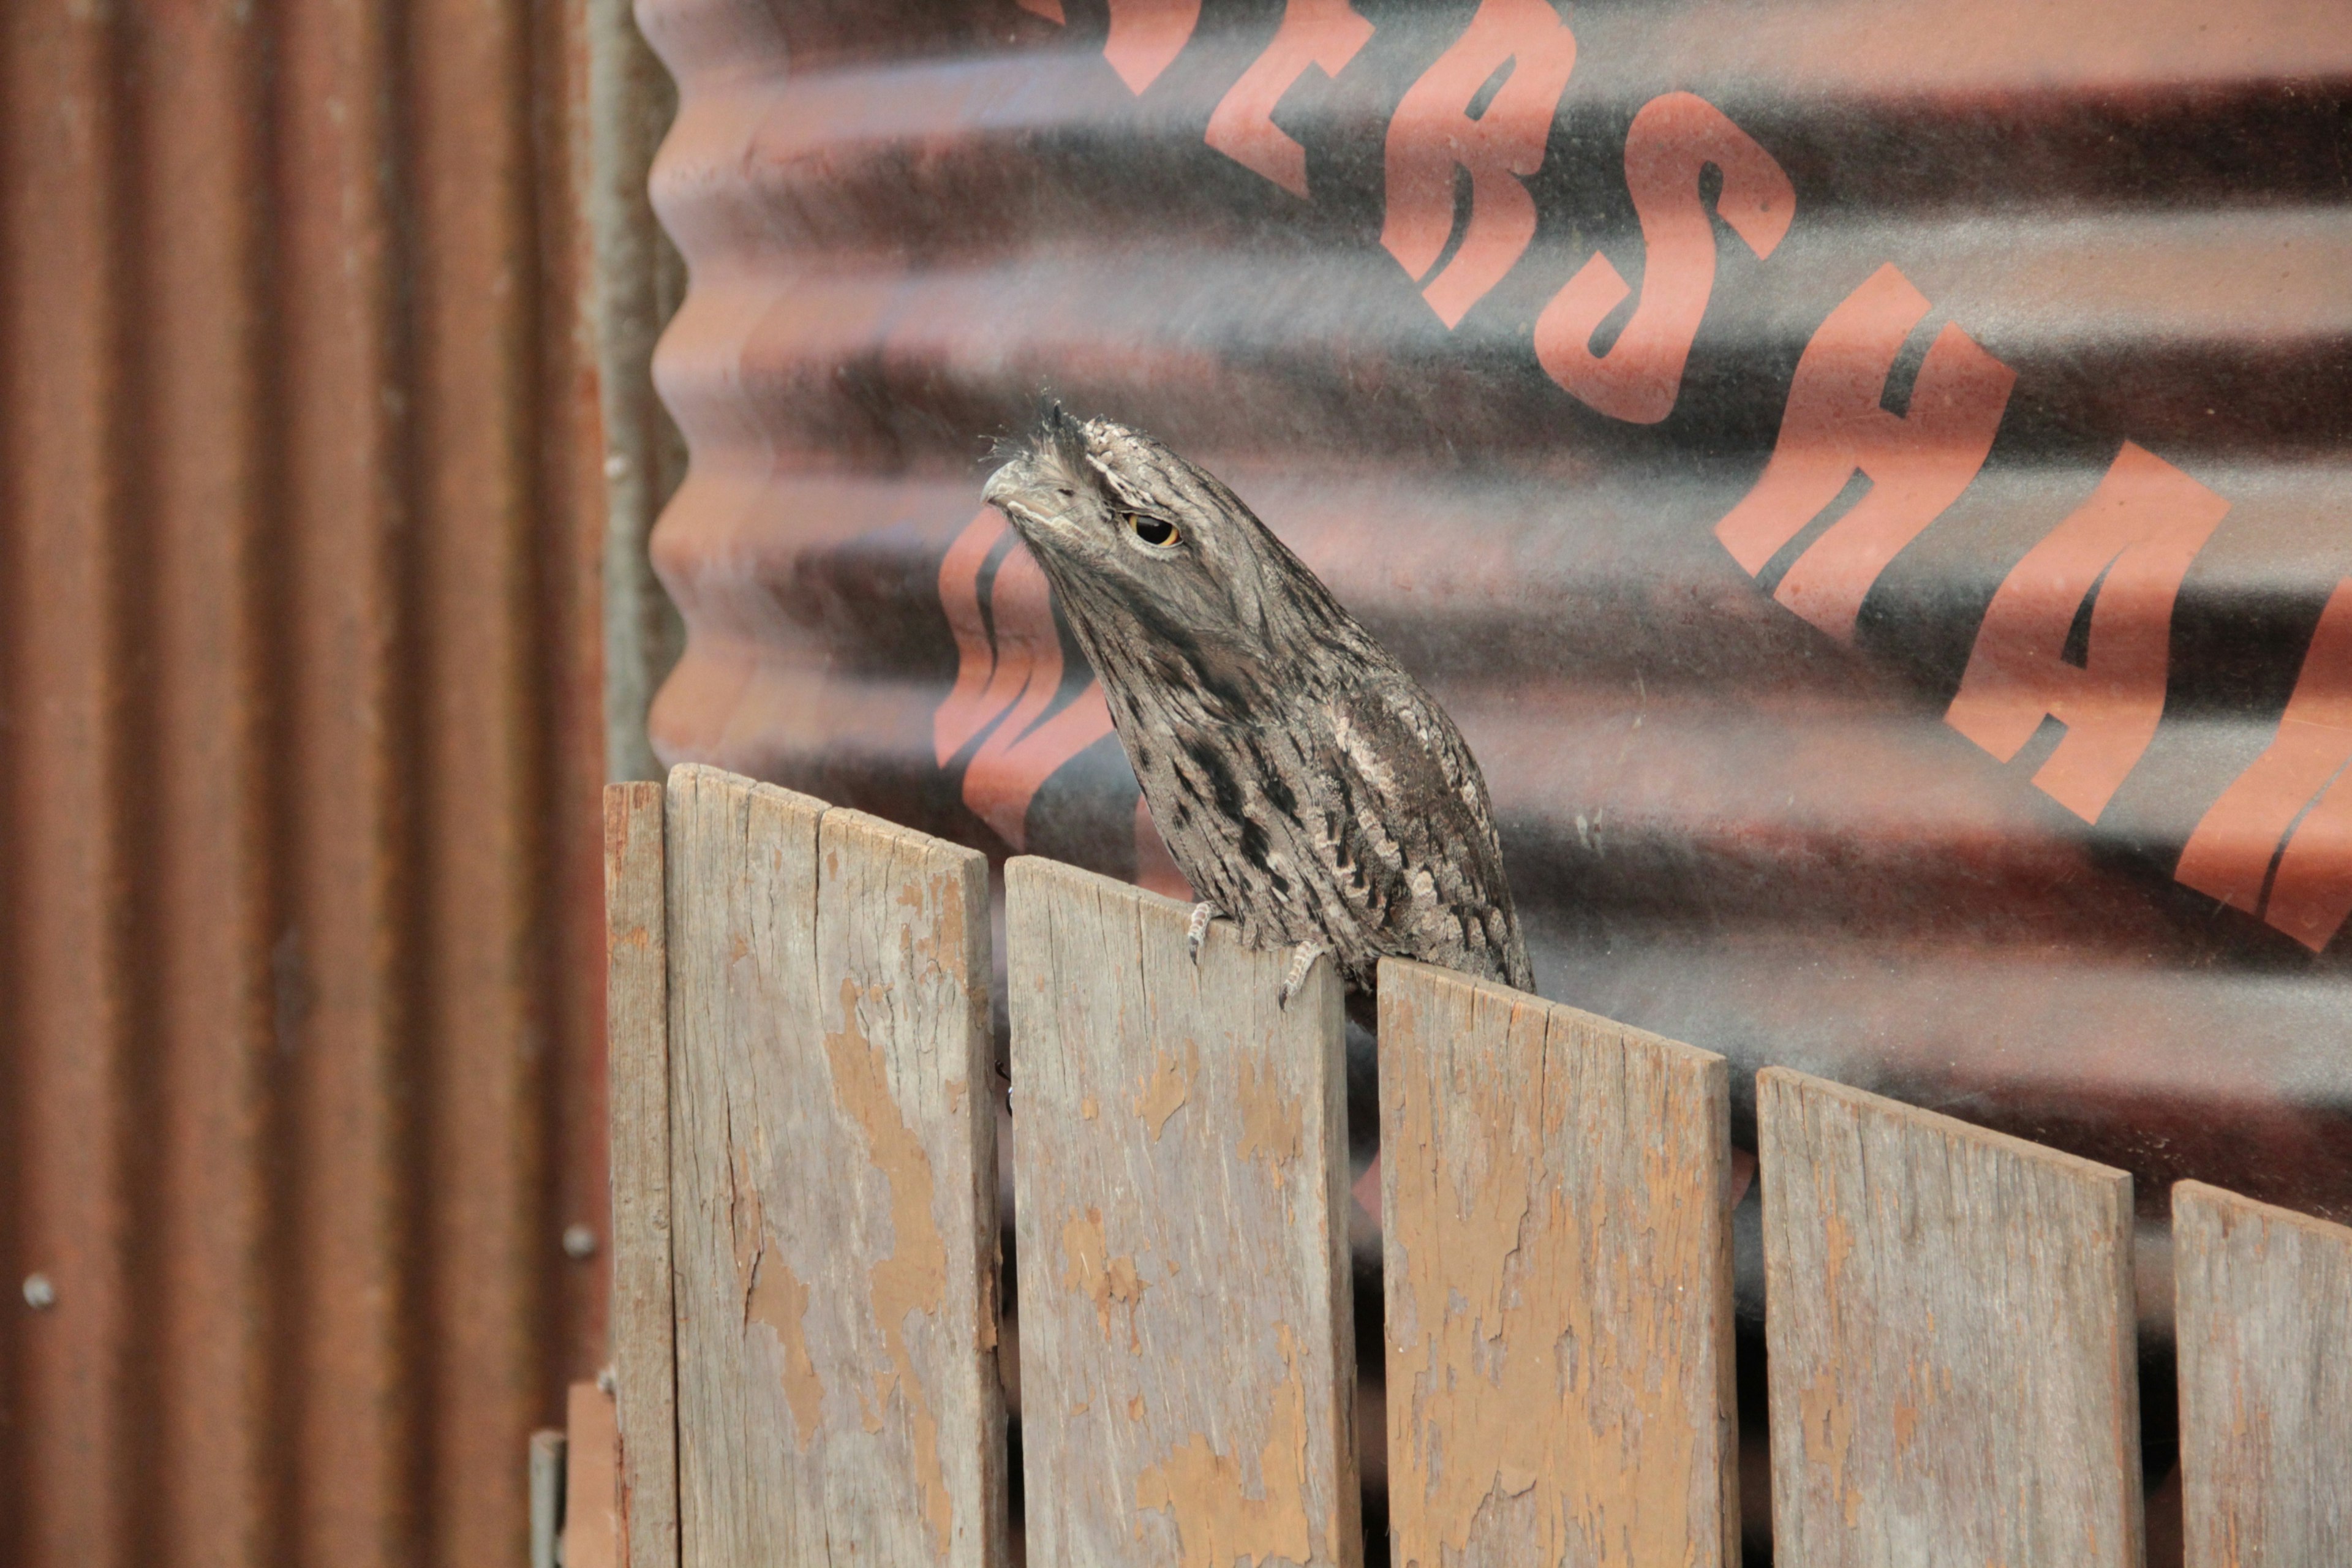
1308,786
1302,959
1197,931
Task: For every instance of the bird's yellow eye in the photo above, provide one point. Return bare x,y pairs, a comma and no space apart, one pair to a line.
1153,529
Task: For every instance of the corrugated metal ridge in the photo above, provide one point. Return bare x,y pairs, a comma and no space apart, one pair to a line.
297,586
870,121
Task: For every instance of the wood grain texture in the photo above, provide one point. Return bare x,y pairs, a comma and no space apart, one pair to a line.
1180,1148
1948,1316
2264,1298
833,1177
1556,1189
636,1024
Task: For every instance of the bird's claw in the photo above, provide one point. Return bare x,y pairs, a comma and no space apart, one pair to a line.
1302,959
1197,931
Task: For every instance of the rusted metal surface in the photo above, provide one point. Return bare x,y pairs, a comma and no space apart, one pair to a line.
1866,477
300,736
639,279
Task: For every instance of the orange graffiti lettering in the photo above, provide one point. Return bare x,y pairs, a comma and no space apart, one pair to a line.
1325,34
977,696
1434,133
1146,37
2130,544
1918,462
1012,682
2300,775
1672,139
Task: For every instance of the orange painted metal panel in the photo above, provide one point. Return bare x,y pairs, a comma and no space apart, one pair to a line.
216,902
301,741
73,1002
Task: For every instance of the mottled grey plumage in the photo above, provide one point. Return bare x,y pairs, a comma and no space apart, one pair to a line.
1306,785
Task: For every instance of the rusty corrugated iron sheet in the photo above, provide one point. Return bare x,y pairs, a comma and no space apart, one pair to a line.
1869,478
300,738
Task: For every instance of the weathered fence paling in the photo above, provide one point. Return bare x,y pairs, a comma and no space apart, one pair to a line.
636,1013
1179,1143
2265,1330
1558,1248
1948,1316
832,1183
805,1230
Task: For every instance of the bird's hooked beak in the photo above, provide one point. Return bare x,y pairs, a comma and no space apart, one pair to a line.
1014,490
1034,493
1035,486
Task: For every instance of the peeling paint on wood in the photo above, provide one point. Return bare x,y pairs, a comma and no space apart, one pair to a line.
1088,1270
1218,1522
1183,1269
1558,1270
774,1298
834,1179
2265,1336
1949,1315
1164,1093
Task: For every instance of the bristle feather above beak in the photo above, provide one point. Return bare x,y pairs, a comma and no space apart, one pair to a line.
1053,454
1062,437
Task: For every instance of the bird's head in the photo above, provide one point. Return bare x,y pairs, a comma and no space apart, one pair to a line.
1143,547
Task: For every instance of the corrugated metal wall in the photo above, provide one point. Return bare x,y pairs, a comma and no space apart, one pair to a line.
301,516
1868,476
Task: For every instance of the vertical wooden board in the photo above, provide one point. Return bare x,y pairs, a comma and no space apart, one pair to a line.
637,1021
742,912
546,1496
902,968
1180,1150
834,1215
591,1515
1558,1239
1948,1316
2265,1321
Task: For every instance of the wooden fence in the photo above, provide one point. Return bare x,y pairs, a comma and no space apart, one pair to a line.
807,1218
